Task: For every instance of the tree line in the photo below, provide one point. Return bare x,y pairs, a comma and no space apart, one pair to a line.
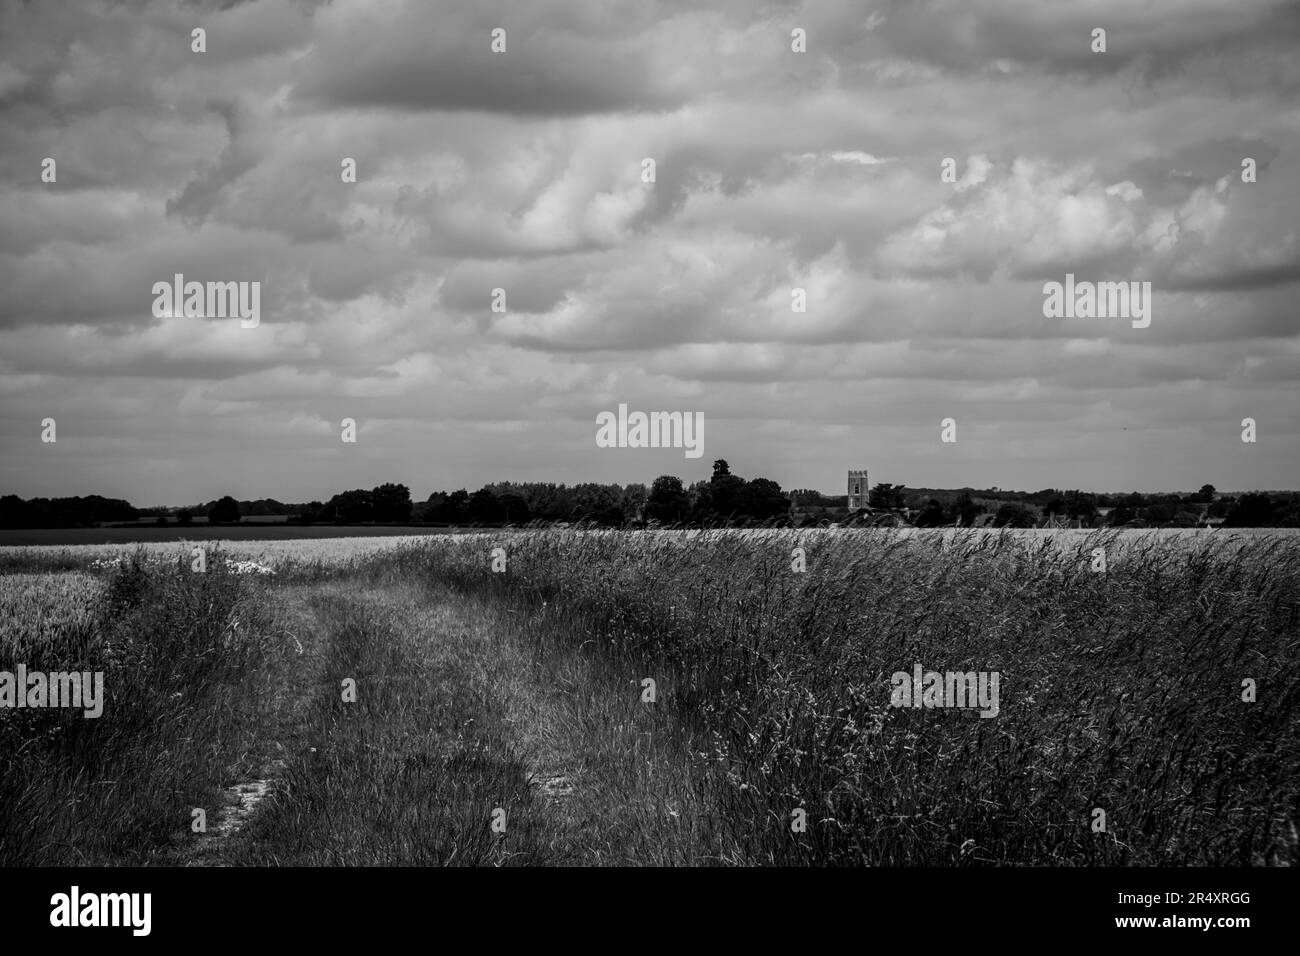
722,499
1020,510
76,512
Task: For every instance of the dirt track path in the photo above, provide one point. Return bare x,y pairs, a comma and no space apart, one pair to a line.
449,728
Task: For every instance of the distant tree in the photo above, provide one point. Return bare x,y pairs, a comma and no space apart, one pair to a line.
599,503
1220,507
13,512
667,501
1252,510
310,513
448,508
1041,498
1288,516
546,501
964,509
699,498
458,505
1133,501
633,501
886,497
391,503
184,516
1120,515
1081,505
485,508
1159,513
64,512
762,499
725,489
352,507
1205,495
161,521
917,500
1014,515
224,511
931,515
435,509
808,497
514,509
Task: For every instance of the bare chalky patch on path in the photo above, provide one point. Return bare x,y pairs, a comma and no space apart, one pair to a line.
239,804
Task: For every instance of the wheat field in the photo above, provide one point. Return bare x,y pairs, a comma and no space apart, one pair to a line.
507,671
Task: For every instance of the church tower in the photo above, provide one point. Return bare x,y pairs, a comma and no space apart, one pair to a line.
857,489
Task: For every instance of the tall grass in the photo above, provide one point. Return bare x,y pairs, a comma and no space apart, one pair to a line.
186,662
1120,690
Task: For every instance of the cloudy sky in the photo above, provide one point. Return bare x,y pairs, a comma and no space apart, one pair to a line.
522,170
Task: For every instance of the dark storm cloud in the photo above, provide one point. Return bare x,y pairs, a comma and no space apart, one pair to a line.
438,56
1263,277
1161,37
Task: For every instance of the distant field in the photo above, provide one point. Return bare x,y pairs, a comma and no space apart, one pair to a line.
254,531
276,552
148,534
295,548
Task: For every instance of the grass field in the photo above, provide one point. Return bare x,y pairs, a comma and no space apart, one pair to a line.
518,695
148,534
